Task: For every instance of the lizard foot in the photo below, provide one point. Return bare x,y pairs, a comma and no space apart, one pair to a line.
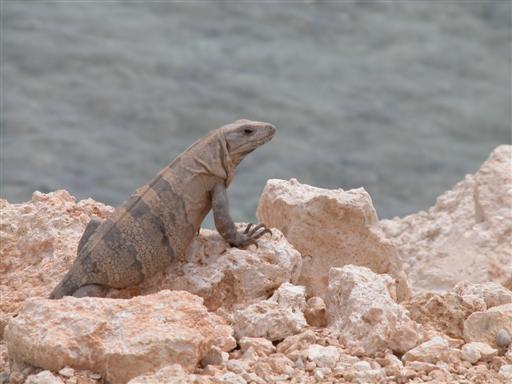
251,234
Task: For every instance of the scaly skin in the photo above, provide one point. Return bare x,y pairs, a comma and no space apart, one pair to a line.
155,226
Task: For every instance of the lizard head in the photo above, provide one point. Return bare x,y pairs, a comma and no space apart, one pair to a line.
244,136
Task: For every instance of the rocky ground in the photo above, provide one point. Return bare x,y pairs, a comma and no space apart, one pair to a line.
333,296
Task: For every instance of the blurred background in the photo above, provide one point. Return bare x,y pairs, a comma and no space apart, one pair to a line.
402,98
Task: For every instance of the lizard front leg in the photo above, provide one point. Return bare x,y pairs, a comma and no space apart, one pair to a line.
225,224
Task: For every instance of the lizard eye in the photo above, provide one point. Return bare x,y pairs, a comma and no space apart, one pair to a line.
248,131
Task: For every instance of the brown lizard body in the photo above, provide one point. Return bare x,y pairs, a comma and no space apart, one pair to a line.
155,226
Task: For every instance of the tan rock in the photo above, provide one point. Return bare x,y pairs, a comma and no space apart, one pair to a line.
250,355
330,228
392,364
275,318
67,372
484,326
44,377
120,339
431,351
370,376
442,312
38,241
229,378
467,235
273,365
361,308
215,356
362,366
171,374
315,312
238,366
476,351
323,357
493,294
261,346
321,373
253,378
420,366
4,361
296,342
226,276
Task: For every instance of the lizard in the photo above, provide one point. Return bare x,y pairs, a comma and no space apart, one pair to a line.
155,226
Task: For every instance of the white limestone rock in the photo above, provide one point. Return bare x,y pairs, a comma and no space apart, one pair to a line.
44,377
330,228
172,374
226,276
297,342
38,241
485,326
323,357
276,318
260,345
120,339
431,351
361,307
493,294
467,235
476,351
443,312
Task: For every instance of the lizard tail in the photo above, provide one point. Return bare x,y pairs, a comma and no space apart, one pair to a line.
65,288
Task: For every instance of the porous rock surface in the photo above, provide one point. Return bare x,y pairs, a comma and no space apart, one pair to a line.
330,228
460,333
38,241
442,312
466,235
171,374
431,351
491,293
276,318
226,276
485,325
362,306
476,351
118,338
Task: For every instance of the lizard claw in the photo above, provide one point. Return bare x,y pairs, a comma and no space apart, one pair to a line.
248,228
250,234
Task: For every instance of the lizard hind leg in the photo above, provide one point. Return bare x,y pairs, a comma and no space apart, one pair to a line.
91,290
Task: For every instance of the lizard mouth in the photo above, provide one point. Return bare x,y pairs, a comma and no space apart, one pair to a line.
259,142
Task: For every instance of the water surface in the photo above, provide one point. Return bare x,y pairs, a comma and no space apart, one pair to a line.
403,98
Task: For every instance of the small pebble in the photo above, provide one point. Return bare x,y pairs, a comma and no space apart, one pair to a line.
321,373
506,370
503,338
67,372
362,366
